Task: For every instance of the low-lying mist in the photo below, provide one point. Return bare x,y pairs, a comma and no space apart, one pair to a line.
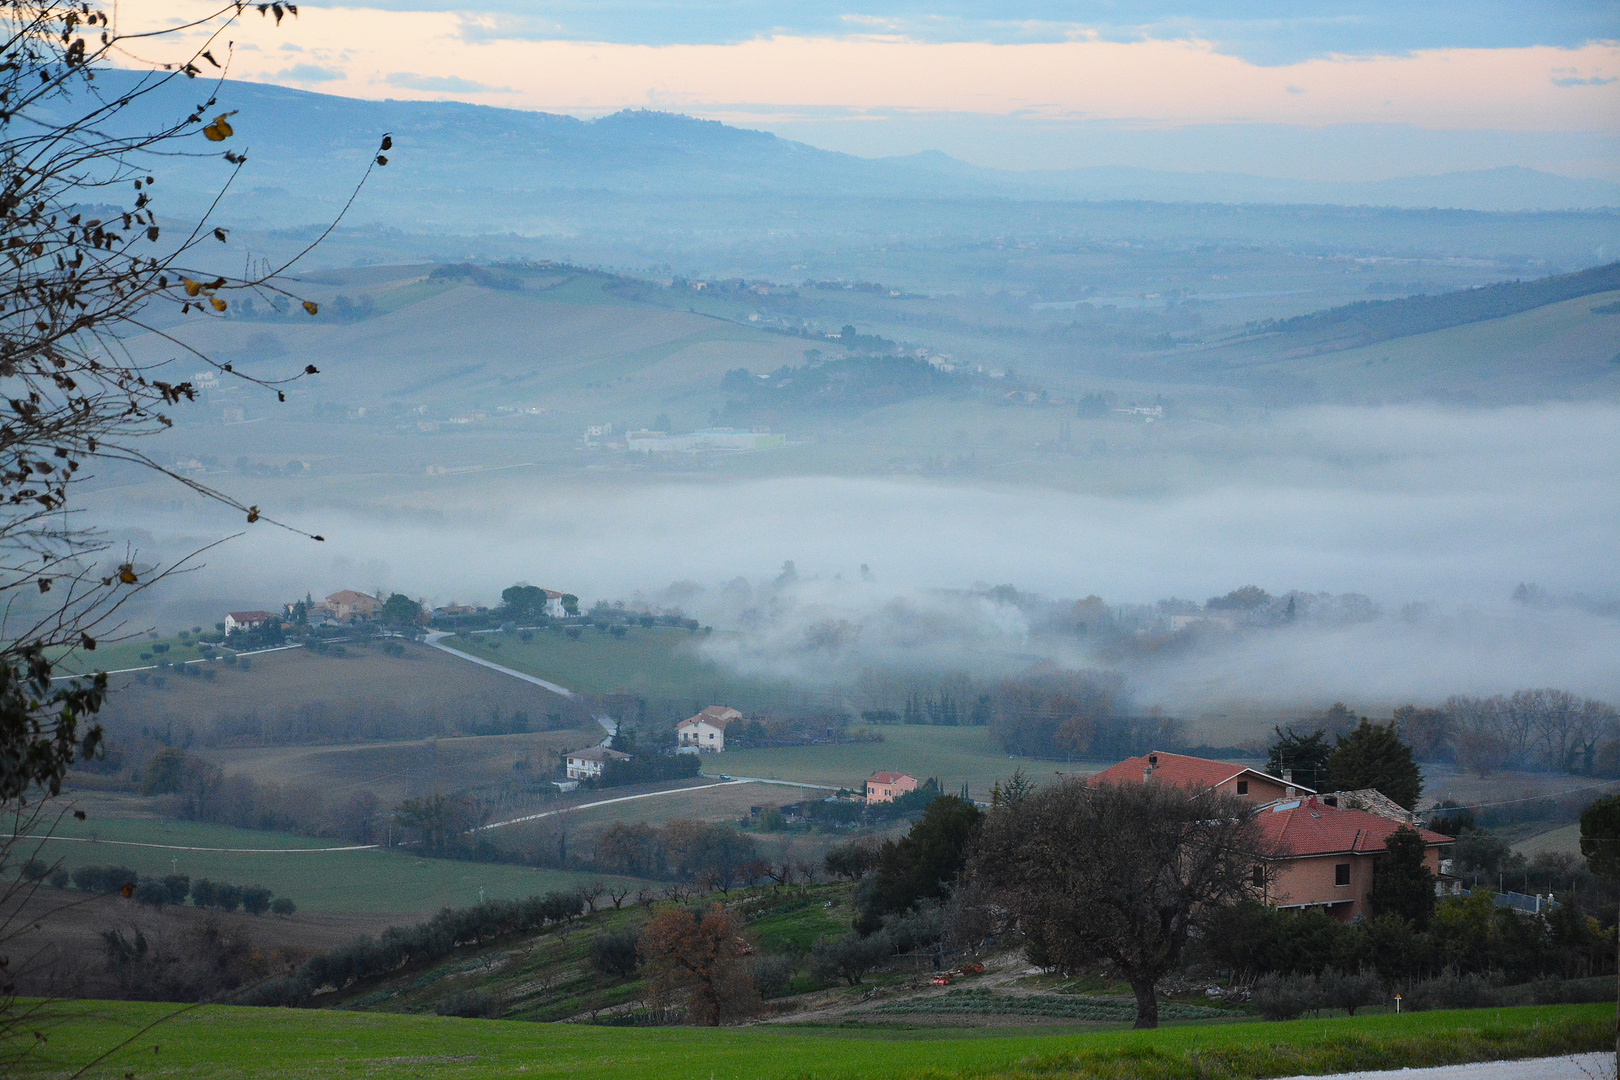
1433,515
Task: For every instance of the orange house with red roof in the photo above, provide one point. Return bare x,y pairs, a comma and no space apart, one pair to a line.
1249,784
1322,854
1325,855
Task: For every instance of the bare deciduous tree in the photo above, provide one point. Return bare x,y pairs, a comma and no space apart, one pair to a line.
1120,873
702,956
85,265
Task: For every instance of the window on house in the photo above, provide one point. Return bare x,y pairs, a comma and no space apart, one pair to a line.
1259,878
1243,787
1341,874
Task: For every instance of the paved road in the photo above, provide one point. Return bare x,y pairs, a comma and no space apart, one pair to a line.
433,640
1573,1067
728,782
180,847
603,802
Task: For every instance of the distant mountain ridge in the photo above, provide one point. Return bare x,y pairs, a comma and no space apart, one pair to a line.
477,150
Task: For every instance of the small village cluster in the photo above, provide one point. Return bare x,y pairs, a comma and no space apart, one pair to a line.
350,606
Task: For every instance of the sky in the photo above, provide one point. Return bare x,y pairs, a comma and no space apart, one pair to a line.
1385,89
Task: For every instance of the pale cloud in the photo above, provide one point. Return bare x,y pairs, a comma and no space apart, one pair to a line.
306,73
1152,82
443,84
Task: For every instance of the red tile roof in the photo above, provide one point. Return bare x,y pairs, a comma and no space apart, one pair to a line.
1181,771
597,753
1308,827
715,716
253,616
890,778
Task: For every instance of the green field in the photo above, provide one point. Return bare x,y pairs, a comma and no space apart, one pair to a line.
122,655
953,754
373,881
655,662
215,1041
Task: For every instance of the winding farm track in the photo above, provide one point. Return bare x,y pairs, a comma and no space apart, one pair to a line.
433,640
181,847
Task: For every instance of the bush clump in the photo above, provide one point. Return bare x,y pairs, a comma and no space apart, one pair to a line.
1286,997
476,1004
614,954
1451,990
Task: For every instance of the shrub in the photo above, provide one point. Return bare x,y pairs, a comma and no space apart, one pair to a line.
176,887
1347,991
847,958
1450,990
771,974
255,899
282,906
614,954
473,1004
35,870
227,897
1286,997
103,879
60,878
149,892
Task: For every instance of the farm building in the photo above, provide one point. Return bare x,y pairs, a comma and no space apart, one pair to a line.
248,620
347,604
886,786
591,761
705,733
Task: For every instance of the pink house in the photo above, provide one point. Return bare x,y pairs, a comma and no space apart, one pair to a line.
886,786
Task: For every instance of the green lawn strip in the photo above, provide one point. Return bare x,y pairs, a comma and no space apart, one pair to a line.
121,655
222,1041
361,882
797,930
154,830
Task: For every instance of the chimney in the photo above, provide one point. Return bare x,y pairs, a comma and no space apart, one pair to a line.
1152,763
1288,775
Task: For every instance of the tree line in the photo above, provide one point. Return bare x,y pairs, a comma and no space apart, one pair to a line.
434,939
158,892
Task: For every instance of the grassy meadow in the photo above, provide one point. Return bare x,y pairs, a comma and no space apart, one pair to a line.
953,754
214,1041
371,881
655,662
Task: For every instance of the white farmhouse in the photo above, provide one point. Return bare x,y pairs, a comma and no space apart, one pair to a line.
705,733
589,762
248,620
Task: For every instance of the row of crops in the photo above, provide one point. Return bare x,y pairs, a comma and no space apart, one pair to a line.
1066,1007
